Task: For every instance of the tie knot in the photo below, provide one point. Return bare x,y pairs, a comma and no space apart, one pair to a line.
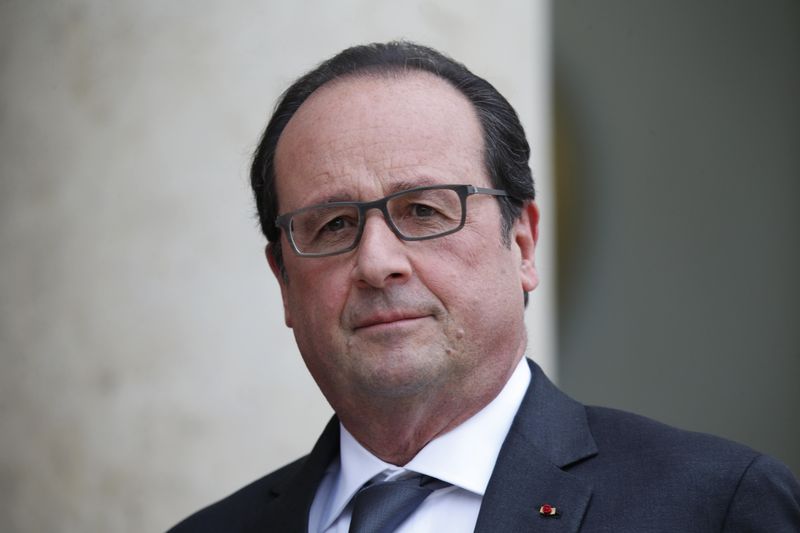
381,507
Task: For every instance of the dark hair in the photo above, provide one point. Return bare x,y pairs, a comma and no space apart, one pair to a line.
506,149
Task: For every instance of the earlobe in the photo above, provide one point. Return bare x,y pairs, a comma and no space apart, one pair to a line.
526,235
280,275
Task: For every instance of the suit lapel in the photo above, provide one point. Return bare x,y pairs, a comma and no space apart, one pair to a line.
288,510
549,432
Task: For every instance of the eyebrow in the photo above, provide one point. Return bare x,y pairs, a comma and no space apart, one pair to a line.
404,185
398,186
338,196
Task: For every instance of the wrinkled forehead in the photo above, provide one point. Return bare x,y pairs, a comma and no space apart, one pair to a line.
373,123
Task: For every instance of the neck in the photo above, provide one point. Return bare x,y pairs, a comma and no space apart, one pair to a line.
395,430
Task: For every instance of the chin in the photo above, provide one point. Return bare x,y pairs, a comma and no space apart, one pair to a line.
404,380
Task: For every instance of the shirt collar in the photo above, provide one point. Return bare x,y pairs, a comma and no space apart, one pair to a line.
464,456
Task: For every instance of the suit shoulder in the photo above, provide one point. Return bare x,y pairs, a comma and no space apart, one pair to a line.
767,498
239,510
658,451
639,459
627,433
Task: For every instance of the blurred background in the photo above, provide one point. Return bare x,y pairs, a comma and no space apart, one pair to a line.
143,358
678,173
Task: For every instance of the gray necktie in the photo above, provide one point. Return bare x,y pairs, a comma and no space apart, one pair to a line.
381,507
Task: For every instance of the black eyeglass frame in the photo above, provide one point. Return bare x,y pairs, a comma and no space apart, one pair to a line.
284,221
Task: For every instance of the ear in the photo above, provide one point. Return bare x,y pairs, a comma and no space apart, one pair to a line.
280,275
526,234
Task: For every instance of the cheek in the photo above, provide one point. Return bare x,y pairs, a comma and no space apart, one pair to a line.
316,297
469,277
456,272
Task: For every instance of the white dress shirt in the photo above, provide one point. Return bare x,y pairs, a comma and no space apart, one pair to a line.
464,457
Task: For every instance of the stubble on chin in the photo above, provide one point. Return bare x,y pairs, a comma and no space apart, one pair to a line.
414,365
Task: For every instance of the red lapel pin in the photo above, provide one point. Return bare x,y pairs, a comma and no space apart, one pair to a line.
547,510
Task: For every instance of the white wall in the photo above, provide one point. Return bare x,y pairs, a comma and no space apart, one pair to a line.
142,346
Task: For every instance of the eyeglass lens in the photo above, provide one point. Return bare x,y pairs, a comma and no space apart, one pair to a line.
415,214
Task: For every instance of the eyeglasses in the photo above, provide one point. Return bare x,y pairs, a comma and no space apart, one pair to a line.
413,215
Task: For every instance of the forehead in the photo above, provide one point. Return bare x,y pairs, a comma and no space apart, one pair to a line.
360,137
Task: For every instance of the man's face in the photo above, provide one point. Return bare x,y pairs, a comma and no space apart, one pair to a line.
392,318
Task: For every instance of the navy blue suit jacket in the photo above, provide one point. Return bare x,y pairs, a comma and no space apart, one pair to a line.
603,470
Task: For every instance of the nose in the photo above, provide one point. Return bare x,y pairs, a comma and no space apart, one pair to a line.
381,257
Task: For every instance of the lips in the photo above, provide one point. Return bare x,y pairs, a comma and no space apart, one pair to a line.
386,318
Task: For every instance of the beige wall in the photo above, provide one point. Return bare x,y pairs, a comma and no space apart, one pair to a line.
143,355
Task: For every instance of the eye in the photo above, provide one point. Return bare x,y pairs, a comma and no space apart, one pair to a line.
422,210
336,224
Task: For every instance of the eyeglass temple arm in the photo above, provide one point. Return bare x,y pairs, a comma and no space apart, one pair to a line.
483,190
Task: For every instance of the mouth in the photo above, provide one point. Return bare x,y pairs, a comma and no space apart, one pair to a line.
385,320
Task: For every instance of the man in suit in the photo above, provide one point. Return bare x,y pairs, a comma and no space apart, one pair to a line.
394,189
